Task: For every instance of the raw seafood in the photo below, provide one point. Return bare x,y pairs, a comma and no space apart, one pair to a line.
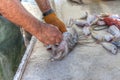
86,30
110,47
112,21
80,23
116,43
114,31
69,41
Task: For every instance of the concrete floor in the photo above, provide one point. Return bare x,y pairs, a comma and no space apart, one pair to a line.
85,62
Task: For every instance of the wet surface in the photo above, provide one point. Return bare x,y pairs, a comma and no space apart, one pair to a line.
86,62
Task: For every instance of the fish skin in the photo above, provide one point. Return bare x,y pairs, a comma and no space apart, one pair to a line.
108,38
97,36
114,31
86,30
69,41
116,43
84,15
101,23
110,47
80,23
58,53
91,19
115,16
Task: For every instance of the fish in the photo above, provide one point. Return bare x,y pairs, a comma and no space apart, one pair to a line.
86,20
86,30
98,28
57,53
102,36
92,19
108,37
114,31
101,23
110,47
84,15
116,43
115,16
80,23
68,43
97,36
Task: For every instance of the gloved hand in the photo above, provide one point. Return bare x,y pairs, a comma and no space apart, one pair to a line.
53,19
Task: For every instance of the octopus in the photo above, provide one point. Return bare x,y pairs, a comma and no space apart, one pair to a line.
68,43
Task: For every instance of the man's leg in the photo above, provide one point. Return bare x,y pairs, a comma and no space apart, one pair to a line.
49,15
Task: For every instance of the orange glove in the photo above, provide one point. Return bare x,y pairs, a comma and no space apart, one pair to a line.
53,19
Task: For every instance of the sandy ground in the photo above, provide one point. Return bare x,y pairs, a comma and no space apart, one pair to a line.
85,62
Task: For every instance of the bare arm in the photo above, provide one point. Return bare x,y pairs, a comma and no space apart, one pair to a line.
44,5
15,12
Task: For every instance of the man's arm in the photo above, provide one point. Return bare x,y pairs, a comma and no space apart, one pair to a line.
15,12
49,15
44,5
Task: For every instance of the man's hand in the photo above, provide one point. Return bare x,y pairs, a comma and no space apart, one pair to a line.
16,13
49,34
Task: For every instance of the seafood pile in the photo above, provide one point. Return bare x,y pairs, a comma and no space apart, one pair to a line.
92,24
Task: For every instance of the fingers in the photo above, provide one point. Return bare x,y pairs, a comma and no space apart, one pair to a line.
59,39
52,35
56,39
